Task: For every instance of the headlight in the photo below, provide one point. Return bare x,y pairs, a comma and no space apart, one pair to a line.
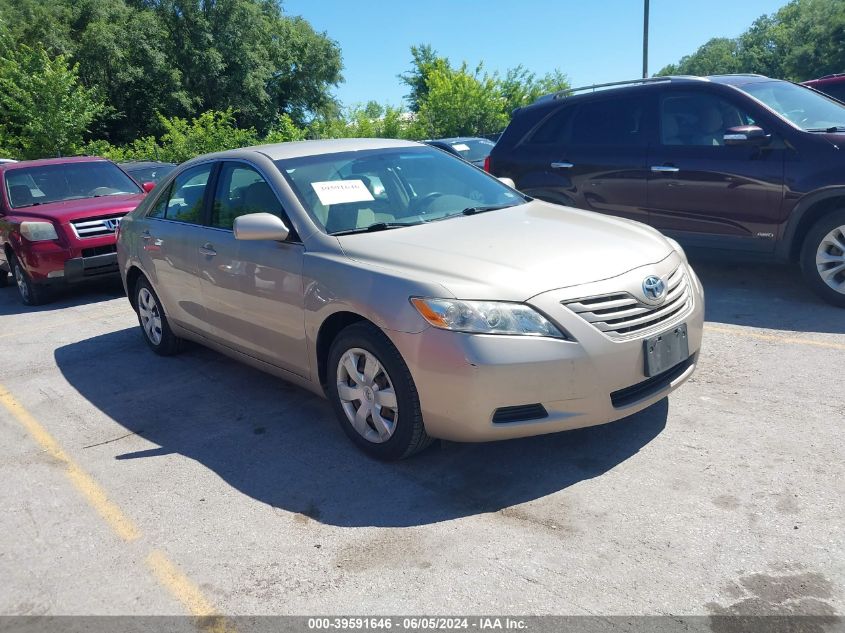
38,231
677,247
485,317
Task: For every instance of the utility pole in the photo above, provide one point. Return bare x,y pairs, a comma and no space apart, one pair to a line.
645,39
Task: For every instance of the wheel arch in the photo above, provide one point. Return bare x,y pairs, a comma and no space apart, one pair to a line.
333,325
133,274
806,214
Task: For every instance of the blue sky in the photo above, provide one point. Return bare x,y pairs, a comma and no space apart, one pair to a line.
591,41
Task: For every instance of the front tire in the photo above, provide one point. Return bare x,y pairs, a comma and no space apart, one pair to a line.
823,258
373,394
29,293
154,326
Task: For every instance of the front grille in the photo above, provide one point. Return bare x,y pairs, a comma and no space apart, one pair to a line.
96,227
99,250
621,314
521,413
642,390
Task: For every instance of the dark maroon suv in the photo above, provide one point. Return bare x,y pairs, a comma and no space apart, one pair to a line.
733,162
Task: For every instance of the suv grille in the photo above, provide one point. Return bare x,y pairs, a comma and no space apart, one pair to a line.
96,228
622,314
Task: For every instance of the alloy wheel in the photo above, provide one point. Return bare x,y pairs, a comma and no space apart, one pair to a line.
830,259
20,280
150,316
367,395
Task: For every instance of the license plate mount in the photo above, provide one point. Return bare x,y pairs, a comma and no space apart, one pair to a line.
664,351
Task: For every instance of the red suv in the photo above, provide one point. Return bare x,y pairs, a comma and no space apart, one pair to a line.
58,219
831,85
731,162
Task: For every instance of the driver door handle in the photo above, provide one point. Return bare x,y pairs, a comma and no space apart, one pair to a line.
208,249
562,165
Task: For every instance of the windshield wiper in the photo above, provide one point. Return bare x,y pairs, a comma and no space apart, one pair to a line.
482,209
829,130
378,226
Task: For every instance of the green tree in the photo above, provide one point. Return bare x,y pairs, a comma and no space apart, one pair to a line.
44,110
520,87
802,40
424,60
460,103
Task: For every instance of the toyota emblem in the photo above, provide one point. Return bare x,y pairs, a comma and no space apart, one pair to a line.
654,288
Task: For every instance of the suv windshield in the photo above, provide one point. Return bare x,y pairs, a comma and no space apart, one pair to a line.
28,186
378,189
803,107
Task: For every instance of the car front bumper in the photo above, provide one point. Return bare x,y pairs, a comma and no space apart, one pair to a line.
463,380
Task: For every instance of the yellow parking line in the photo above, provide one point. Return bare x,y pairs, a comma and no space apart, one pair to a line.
774,338
166,572
81,480
186,592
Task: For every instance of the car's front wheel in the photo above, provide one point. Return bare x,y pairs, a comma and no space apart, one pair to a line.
30,294
153,321
823,258
373,394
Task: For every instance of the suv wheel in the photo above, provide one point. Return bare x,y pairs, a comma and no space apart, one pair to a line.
373,394
154,325
30,294
823,258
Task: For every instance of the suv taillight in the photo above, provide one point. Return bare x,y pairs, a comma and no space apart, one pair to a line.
487,164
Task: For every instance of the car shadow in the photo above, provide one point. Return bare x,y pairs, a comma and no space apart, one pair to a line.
764,295
60,298
282,445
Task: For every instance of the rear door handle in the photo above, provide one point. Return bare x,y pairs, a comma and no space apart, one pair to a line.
208,249
146,236
664,169
562,165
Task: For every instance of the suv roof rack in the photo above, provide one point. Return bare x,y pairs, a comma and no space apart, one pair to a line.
630,82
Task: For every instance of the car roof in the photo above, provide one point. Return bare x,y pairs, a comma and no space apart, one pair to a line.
642,84
455,139
827,79
297,149
50,161
144,163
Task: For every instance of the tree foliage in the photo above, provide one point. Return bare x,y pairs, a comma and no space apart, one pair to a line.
183,57
44,111
802,40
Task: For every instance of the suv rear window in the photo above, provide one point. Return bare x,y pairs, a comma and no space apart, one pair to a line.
616,121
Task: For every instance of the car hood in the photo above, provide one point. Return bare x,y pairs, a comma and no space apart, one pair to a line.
68,210
512,254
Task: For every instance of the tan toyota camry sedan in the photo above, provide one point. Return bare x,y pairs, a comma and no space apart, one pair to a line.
424,297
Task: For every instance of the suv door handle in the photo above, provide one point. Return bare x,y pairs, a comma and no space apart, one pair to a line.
146,235
208,249
562,165
664,169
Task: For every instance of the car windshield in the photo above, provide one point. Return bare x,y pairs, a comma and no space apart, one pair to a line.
803,107
473,149
369,190
28,186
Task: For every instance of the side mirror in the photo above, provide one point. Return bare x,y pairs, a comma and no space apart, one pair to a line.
745,135
260,226
149,186
508,181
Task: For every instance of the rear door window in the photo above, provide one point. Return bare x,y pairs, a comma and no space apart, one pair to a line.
617,121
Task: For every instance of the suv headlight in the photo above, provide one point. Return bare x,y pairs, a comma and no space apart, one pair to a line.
39,231
485,317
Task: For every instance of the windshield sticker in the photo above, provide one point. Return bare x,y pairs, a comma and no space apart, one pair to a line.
460,147
341,191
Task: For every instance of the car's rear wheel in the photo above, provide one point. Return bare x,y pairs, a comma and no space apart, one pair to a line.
153,321
823,258
30,294
373,394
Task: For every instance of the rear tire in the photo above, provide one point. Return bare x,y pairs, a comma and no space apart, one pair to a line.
385,420
154,326
823,258
29,293
4,278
